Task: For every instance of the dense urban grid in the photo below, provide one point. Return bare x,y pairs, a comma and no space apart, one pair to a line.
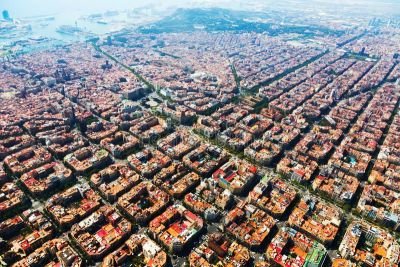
203,149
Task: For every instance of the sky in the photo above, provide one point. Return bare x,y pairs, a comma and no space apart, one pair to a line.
26,8
23,8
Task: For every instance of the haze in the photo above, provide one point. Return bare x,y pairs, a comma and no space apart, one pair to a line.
24,8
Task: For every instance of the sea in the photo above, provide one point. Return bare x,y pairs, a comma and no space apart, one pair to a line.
35,22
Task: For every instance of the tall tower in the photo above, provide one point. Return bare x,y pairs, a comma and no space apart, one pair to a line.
6,15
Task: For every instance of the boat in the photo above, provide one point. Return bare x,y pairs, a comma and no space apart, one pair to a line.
69,30
103,22
36,38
